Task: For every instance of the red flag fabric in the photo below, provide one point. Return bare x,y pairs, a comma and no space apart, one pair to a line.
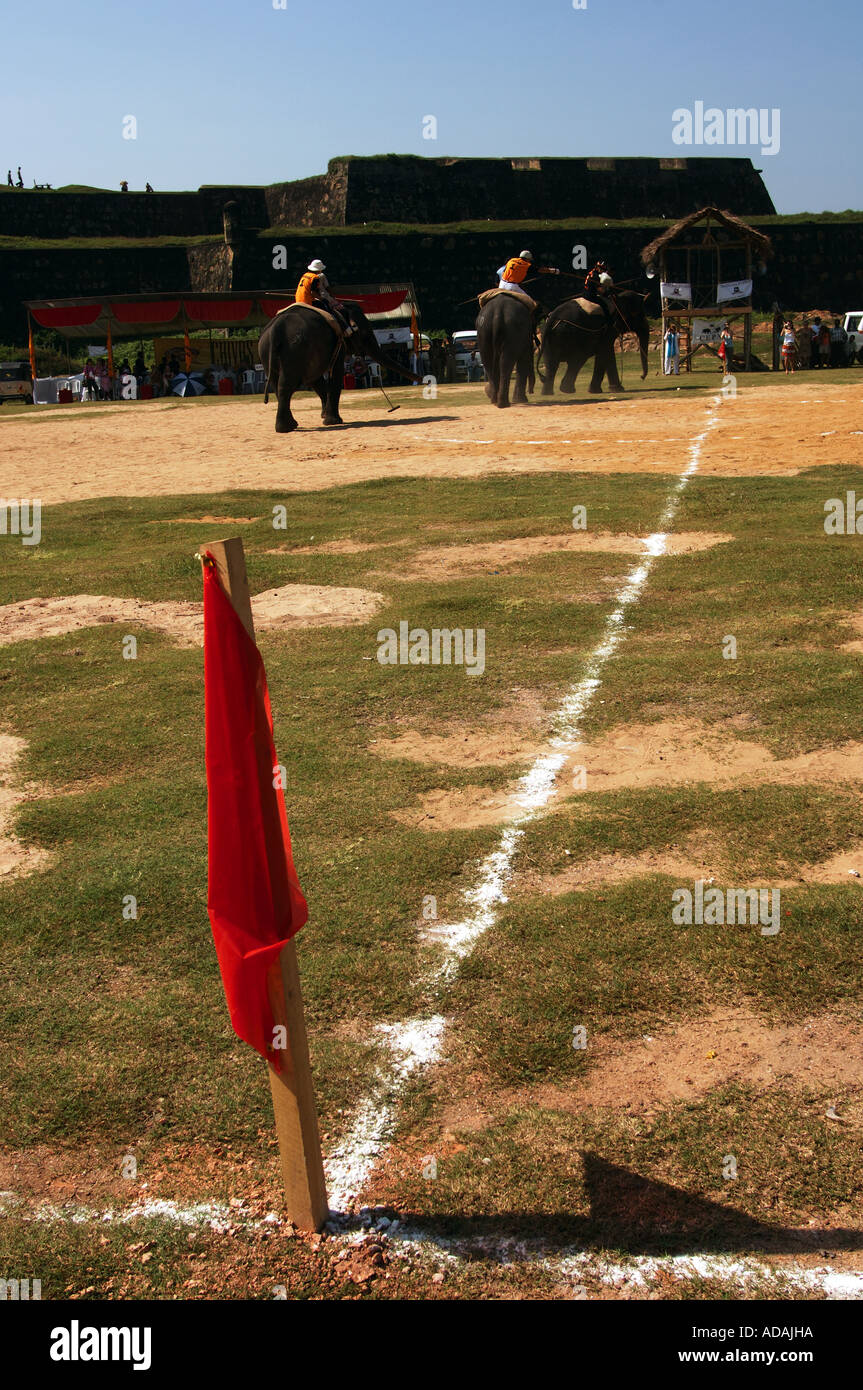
254,898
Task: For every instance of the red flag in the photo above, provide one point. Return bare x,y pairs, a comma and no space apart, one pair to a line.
254,898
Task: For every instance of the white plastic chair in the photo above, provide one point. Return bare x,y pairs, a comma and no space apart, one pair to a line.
248,382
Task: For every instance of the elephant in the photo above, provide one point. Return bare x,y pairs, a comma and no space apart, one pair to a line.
504,328
300,350
572,335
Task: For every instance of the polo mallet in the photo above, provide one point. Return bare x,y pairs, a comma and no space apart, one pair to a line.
387,399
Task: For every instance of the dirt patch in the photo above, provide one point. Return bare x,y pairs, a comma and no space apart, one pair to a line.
688,862
453,561
489,748
694,1059
15,857
674,752
854,620
153,448
342,547
206,521
293,605
464,808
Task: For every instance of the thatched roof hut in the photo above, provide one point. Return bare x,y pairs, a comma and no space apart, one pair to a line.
705,264
739,230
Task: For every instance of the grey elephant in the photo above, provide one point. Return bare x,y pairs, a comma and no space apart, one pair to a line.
300,350
574,333
504,329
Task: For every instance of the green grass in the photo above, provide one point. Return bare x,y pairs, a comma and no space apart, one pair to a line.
128,1017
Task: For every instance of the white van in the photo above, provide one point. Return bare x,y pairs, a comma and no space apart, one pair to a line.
853,325
464,344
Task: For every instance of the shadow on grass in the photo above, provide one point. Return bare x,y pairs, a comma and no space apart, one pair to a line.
632,1215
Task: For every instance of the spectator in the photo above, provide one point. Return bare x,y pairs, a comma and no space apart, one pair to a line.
104,380
148,188
824,345
789,347
726,349
360,370
90,384
671,340
124,186
838,341
210,384
9,179
815,329
20,183
474,367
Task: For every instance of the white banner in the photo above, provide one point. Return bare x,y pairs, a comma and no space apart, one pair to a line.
733,289
675,289
705,331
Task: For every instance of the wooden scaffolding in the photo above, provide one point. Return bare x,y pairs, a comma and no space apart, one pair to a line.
702,251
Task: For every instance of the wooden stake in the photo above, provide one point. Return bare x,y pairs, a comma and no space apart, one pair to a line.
293,1094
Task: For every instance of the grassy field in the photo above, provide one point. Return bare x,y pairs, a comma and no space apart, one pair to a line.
117,1037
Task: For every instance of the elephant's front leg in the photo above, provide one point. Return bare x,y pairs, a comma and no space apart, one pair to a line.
614,382
549,363
330,399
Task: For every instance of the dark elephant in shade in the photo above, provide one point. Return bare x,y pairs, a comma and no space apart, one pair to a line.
301,351
572,335
504,330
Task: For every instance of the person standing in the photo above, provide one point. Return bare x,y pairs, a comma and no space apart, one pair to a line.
789,347
838,339
726,349
671,339
20,183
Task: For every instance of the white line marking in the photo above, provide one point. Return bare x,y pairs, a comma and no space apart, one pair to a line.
416,1042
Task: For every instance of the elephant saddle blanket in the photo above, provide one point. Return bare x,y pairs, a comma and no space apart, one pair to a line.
337,327
521,298
589,306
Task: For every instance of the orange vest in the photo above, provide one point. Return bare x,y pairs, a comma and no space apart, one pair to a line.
305,289
515,270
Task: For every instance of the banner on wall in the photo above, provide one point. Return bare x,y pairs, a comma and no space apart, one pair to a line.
226,352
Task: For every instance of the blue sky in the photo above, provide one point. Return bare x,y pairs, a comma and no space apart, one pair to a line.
242,92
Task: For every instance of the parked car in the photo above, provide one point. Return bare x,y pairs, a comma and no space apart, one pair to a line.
464,344
853,325
16,383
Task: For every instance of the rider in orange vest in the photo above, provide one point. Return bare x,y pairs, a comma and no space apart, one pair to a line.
511,275
314,289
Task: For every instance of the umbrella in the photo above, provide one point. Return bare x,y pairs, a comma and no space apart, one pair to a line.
191,385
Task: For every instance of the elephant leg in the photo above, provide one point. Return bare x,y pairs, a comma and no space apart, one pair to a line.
334,382
573,367
550,363
506,363
321,389
522,372
614,382
600,367
285,421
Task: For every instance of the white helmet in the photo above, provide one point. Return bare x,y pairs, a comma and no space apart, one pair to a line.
317,266
605,279
525,256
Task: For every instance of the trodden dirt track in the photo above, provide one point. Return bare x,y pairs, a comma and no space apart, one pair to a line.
168,447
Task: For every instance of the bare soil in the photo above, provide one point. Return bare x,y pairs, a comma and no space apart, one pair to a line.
158,448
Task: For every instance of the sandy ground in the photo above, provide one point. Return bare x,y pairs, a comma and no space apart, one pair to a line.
155,448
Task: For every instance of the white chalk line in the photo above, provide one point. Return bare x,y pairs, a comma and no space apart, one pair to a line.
415,1043
637,1272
